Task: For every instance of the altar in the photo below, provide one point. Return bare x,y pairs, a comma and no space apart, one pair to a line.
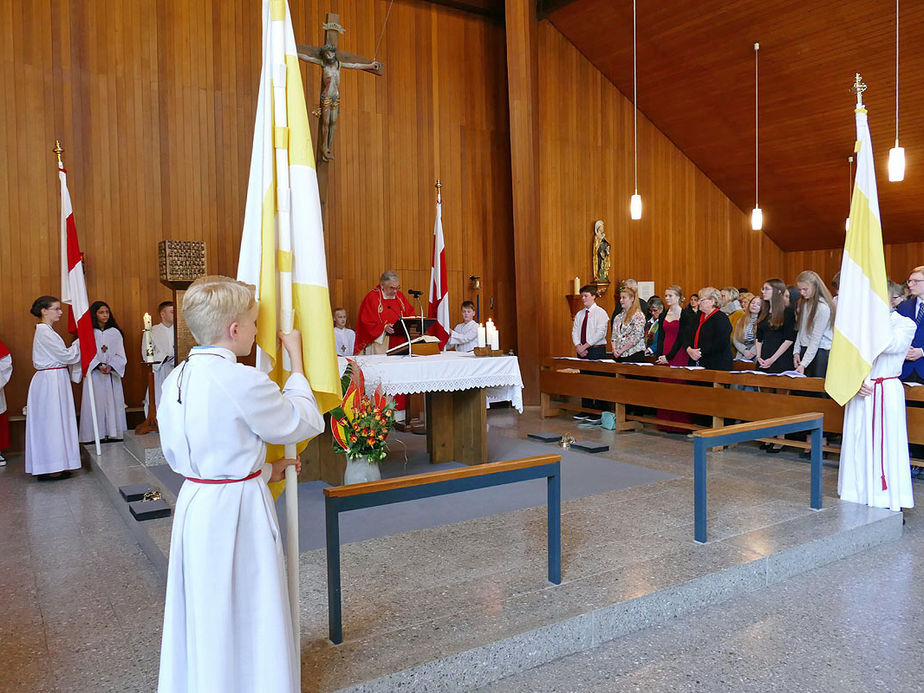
457,389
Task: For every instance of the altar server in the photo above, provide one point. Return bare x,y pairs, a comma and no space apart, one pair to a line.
164,356
6,372
874,467
344,337
51,422
227,625
107,370
464,336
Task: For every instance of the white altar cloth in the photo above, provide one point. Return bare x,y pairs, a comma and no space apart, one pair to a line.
446,372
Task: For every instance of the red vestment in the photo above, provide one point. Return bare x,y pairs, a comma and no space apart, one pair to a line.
375,312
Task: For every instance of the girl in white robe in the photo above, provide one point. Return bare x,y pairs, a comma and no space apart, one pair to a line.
51,423
874,450
227,625
107,370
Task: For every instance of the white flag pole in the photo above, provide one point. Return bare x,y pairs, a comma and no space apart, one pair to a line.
286,317
89,377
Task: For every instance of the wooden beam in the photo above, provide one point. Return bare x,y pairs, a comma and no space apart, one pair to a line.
754,425
486,8
435,477
523,96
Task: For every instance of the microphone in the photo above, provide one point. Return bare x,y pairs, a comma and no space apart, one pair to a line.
415,293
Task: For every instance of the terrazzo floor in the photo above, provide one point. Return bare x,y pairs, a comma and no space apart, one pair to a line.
81,605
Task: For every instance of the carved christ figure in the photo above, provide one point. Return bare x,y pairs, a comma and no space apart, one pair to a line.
328,57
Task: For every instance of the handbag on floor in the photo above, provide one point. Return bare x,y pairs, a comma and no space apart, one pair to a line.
608,420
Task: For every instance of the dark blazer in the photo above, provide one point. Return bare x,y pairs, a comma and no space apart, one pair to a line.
688,322
907,308
715,342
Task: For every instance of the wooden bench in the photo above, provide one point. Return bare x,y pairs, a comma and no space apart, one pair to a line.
703,392
338,499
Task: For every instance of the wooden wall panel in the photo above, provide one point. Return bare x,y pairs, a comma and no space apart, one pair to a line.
154,101
900,259
690,232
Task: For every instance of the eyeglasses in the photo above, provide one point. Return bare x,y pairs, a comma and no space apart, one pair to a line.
915,281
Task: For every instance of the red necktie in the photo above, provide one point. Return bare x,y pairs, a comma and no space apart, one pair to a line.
584,326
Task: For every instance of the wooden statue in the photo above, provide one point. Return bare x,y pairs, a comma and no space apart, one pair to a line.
601,255
331,61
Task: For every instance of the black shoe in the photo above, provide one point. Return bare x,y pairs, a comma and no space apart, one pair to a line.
774,450
765,446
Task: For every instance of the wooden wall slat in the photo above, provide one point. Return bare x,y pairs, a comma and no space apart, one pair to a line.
157,124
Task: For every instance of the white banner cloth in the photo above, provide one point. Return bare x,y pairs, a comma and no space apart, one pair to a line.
448,372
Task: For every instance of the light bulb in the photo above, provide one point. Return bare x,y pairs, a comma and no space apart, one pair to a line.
757,219
635,206
896,163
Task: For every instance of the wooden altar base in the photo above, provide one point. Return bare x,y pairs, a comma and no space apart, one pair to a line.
457,431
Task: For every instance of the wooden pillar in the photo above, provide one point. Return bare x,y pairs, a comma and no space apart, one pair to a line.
523,95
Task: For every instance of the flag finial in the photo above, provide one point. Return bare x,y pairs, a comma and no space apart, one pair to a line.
439,189
858,88
59,151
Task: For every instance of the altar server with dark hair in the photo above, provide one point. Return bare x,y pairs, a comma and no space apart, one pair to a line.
227,624
107,370
164,350
51,422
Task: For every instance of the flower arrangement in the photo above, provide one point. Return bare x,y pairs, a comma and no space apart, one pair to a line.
361,423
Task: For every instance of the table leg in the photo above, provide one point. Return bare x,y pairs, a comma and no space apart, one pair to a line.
457,424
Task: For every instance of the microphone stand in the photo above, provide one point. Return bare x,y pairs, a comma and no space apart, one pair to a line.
408,335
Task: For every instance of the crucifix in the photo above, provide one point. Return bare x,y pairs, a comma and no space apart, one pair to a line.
331,59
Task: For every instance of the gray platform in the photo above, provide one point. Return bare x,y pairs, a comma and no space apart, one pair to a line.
458,606
146,448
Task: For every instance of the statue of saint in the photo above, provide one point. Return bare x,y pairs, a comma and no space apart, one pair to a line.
601,259
329,108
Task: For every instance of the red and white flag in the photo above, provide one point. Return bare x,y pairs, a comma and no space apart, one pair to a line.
73,284
439,291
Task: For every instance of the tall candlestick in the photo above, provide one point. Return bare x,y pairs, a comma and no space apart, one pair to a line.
147,339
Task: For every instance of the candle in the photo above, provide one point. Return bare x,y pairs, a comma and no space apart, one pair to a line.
577,285
495,340
147,339
491,334
482,336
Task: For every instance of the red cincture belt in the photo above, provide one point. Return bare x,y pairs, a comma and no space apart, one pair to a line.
879,393
225,481
56,368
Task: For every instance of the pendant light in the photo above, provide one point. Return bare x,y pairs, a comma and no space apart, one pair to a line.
757,216
849,190
896,154
635,203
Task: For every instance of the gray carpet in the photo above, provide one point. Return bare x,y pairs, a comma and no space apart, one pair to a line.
582,475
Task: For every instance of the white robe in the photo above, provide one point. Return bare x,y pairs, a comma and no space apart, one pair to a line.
107,388
345,339
464,336
51,422
867,448
164,360
227,625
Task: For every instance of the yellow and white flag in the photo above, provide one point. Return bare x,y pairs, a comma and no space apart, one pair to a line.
282,248
861,328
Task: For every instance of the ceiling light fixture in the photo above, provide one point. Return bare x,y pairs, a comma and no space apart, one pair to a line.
757,216
635,203
896,154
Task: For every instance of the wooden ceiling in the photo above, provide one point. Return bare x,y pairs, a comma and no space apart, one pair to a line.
696,84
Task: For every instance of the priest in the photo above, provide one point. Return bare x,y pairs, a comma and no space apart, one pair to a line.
378,312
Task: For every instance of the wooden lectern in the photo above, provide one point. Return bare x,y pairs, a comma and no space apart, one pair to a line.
181,263
417,328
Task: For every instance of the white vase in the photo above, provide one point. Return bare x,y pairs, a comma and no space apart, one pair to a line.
359,470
